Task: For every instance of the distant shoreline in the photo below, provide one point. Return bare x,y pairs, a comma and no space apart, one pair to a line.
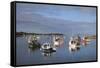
27,33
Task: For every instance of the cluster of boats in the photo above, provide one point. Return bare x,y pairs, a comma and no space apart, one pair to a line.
47,47
76,41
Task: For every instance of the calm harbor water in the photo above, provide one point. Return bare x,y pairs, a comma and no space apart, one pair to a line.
26,56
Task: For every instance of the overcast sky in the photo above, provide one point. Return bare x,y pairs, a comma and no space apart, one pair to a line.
28,12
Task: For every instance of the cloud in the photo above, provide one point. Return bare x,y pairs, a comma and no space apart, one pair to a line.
28,12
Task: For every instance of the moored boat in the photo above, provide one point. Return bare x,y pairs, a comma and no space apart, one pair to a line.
46,47
74,43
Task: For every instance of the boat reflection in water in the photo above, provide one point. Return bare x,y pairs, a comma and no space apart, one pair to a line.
48,53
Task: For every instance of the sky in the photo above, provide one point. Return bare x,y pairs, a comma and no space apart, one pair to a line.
29,12
42,18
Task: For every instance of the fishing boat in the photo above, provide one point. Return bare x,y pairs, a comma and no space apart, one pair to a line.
46,47
33,42
74,43
57,41
86,40
32,39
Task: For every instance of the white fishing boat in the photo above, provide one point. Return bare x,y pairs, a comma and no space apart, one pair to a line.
74,43
30,40
57,41
46,47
